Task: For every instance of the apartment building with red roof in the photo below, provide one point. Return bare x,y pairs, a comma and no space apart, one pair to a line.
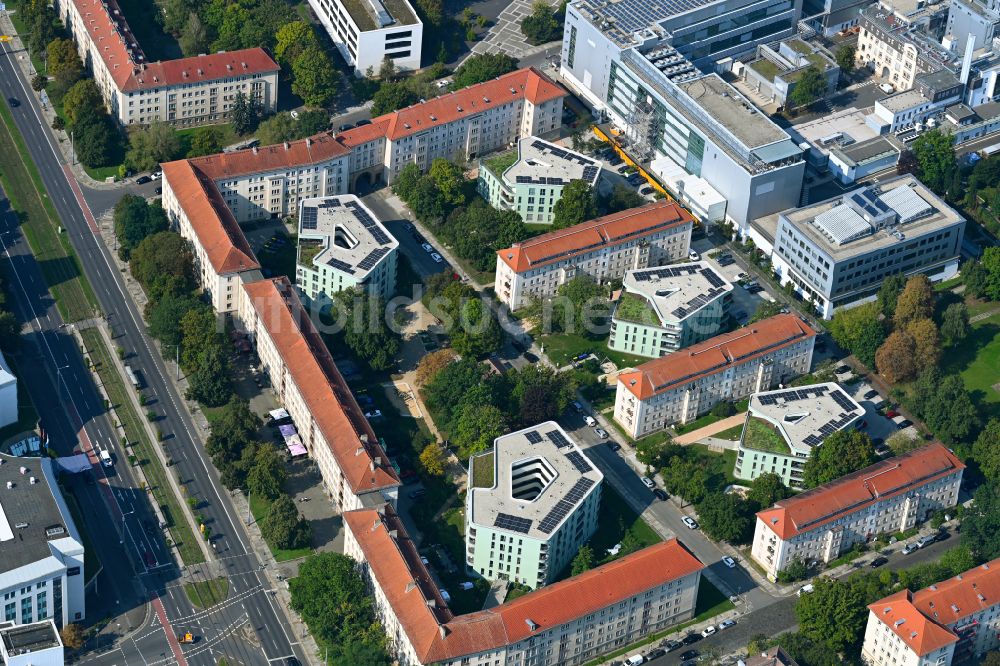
567,623
954,621
893,495
185,92
603,248
679,387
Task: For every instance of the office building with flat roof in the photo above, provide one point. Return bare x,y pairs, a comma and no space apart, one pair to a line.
664,309
603,249
891,496
36,644
951,622
533,502
530,179
682,386
367,32
41,552
838,251
342,245
632,62
784,426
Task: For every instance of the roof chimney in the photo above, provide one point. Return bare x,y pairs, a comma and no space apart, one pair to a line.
431,603
33,480
24,470
410,586
10,484
358,451
286,145
255,150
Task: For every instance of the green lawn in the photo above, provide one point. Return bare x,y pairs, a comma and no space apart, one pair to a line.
614,514
977,359
732,434
228,136
482,471
500,163
259,507
180,531
207,593
636,309
561,348
763,436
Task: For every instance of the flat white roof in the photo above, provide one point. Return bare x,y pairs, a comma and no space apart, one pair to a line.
353,240
677,291
541,458
806,415
542,163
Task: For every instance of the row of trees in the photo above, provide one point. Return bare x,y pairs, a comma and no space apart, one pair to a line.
467,318
580,202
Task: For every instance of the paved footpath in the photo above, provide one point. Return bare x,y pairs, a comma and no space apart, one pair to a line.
711,429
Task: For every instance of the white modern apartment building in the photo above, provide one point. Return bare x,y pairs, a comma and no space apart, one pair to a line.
564,624
41,552
679,387
188,91
603,249
530,179
952,622
36,644
356,471
533,501
662,310
839,251
631,62
367,32
784,426
342,245
891,496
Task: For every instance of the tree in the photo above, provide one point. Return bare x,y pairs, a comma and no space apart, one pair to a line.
313,77
686,478
541,394
833,614
194,39
903,442
935,153
976,277
72,636
209,383
161,259
654,452
583,561
981,524
431,364
479,68
915,302
476,428
449,180
476,332
38,82
433,459
576,205
135,220
406,182
621,198
164,318
810,87
907,163
727,517
945,406
81,97
926,343
10,331
991,658
541,25
955,324
990,261
895,358
63,63
392,96
767,489
245,113
96,139
889,292
312,122
291,40
860,330
283,527
841,453
986,451
766,309
205,141
366,332
444,395
232,432
267,476
845,58
278,128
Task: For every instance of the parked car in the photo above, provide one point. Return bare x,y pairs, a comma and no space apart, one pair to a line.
691,523
655,653
577,407
878,561
694,256
408,476
926,540
156,175
589,420
602,433
13,101
690,654
158,190
436,257
635,660
729,562
910,548
805,589
690,639
905,423
708,631
362,122
648,482
427,247
614,446
345,127
661,494
886,88
842,369
891,414
725,624
871,394
142,180
374,414
530,358
646,190
670,645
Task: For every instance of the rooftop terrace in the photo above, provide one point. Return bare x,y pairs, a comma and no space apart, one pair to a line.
365,13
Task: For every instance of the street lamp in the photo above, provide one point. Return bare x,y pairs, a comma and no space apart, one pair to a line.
124,515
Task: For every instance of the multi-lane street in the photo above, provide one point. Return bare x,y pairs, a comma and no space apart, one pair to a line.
270,636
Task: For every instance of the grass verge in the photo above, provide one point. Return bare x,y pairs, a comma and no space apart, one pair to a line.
40,223
207,593
156,476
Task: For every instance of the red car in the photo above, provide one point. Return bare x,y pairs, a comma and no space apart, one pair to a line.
150,560
891,414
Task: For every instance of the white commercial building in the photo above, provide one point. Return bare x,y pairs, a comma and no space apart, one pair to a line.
41,552
533,501
784,426
632,62
891,496
36,644
568,623
682,386
929,96
367,32
602,249
951,622
839,251
8,394
661,310
187,91
343,245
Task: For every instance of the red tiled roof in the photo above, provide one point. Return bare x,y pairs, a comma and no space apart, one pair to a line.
122,54
437,635
715,355
212,221
312,150
878,482
920,634
321,385
952,600
588,236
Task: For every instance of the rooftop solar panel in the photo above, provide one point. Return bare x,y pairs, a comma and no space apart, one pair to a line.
533,436
380,236
505,521
579,462
565,505
558,439
341,265
373,258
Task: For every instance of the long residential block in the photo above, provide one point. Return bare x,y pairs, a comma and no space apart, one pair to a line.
603,249
890,496
679,387
567,623
187,91
951,622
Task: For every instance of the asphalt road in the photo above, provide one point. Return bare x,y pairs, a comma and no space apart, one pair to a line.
270,627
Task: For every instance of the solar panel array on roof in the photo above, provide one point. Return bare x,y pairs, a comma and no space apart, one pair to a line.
558,439
555,151
842,224
696,302
565,505
634,15
505,521
373,258
533,436
341,265
666,272
578,461
828,428
843,401
792,395
309,218
907,203
714,279
590,172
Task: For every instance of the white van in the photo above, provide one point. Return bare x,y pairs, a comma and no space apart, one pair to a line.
589,420
805,589
635,660
886,88
106,458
